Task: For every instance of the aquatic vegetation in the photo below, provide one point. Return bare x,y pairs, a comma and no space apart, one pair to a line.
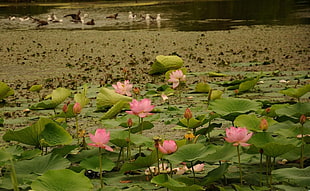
270,132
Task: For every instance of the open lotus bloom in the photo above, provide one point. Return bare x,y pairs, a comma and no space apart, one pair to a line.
238,136
100,139
176,77
123,88
168,147
141,108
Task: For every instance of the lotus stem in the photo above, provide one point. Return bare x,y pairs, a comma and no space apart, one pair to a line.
260,168
302,147
194,175
157,154
77,128
129,145
13,177
100,168
240,170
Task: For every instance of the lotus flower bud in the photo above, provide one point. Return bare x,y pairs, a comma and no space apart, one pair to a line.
77,108
129,122
65,108
188,114
302,119
263,125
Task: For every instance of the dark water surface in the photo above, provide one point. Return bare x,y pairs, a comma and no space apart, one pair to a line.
202,15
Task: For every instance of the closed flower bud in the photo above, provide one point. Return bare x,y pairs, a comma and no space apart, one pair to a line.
302,119
129,122
188,114
263,125
77,108
65,108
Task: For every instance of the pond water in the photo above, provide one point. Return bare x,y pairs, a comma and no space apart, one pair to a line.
199,15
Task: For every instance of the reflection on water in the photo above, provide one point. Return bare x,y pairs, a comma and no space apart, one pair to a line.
202,15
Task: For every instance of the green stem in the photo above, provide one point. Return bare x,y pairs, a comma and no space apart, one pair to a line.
100,168
13,177
129,145
77,128
261,168
240,170
302,147
193,171
141,124
157,153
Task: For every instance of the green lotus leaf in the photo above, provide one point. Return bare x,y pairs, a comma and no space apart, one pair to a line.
35,88
141,162
120,138
82,97
164,63
216,74
251,122
248,85
293,176
202,88
5,91
92,163
296,92
215,174
53,134
225,152
190,153
275,149
233,106
171,184
216,94
295,110
33,134
41,164
107,98
142,126
114,110
57,97
63,179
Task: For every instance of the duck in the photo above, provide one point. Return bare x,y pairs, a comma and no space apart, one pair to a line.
26,18
91,22
12,18
39,21
75,17
114,16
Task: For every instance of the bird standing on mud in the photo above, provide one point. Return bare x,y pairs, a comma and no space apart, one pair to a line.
114,16
40,22
75,17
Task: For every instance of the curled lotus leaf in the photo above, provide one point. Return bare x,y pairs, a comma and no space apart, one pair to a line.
164,63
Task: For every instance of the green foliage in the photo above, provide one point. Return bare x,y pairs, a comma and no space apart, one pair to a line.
62,179
293,176
251,121
168,182
45,132
114,110
296,92
36,88
202,88
92,163
164,63
57,97
107,98
5,91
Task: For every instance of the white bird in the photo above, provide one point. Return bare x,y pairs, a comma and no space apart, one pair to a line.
158,18
24,18
131,16
12,18
83,18
147,17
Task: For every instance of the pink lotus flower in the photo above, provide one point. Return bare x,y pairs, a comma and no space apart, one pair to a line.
141,108
176,77
77,108
100,139
238,136
168,147
123,88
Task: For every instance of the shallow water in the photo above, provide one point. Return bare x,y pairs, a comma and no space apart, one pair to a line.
203,15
